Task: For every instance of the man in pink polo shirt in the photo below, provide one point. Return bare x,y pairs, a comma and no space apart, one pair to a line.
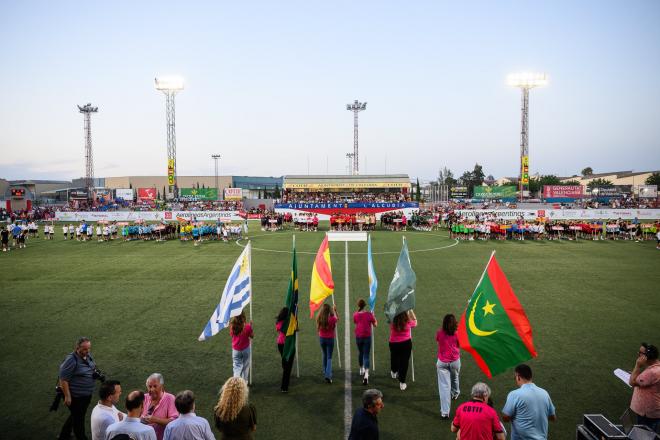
475,420
158,409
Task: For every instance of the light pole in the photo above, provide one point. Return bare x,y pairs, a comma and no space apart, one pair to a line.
170,86
350,157
525,81
217,189
356,107
87,110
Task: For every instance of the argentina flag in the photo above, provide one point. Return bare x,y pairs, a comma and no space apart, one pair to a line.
237,294
373,282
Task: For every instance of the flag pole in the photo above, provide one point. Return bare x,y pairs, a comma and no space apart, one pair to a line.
373,348
412,350
336,333
297,354
251,300
483,274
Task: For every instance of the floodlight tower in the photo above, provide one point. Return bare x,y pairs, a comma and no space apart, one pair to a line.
525,81
350,157
216,157
87,110
170,86
356,107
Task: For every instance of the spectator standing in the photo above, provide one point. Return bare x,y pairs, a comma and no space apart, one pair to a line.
448,364
241,333
77,383
475,420
188,426
528,408
234,416
105,413
364,425
131,425
645,380
158,409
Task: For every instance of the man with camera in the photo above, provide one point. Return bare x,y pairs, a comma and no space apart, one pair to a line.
77,377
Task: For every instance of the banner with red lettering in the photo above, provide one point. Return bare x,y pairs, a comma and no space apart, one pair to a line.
563,191
146,194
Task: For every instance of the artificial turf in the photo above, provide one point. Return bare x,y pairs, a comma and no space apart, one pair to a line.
143,304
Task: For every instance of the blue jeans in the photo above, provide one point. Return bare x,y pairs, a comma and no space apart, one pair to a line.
364,349
327,344
448,385
241,363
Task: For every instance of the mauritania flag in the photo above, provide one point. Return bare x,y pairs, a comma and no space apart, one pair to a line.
401,294
237,294
291,302
373,281
322,284
494,327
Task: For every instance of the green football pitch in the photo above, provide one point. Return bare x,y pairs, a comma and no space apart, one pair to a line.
143,304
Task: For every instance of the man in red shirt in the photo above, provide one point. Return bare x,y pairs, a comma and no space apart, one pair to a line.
475,420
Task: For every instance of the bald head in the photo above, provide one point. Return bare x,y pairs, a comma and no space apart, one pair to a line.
134,402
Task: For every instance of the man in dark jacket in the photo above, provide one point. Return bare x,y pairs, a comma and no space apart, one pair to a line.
365,423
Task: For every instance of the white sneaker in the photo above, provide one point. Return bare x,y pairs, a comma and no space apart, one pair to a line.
361,371
394,375
403,386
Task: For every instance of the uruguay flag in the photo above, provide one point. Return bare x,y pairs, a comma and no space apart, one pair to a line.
237,294
373,282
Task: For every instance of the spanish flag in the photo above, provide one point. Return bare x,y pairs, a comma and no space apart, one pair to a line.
322,284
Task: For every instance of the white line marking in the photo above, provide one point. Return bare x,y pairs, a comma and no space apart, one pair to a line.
348,402
350,253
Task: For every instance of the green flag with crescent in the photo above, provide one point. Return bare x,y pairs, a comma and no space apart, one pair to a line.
494,327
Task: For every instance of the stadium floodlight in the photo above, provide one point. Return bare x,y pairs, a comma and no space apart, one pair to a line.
87,111
215,157
170,85
356,107
525,81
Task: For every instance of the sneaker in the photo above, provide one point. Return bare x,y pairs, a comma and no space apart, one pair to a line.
284,391
403,386
394,375
361,371
365,381
454,397
444,416
328,380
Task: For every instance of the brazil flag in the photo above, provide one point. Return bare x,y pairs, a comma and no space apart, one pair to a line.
494,327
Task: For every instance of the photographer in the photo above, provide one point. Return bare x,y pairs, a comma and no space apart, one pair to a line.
77,375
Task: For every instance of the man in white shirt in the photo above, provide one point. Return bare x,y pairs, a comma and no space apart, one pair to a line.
132,425
188,425
104,413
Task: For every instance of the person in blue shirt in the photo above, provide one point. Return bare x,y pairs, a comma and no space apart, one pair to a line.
528,408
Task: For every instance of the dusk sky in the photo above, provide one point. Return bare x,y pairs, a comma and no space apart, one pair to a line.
267,85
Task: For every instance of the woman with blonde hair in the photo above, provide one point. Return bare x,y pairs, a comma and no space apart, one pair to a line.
326,322
234,416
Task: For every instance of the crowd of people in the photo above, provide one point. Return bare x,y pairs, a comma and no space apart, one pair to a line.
155,414
357,221
344,197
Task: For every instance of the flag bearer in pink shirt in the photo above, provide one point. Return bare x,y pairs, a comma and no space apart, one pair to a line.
363,320
241,333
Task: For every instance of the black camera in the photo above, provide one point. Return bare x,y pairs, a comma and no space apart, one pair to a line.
59,395
98,375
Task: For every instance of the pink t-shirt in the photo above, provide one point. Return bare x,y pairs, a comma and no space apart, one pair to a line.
400,336
477,421
363,321
281,336
448,350
330,331
242,341
165,409
646,395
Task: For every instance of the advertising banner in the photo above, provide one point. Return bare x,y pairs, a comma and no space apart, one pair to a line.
198,194
348,185
562,214
233,193
459,192
524,172
170,172
563,191
131,216
324,210
495,192
647,191
78,194
124,193
146,194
